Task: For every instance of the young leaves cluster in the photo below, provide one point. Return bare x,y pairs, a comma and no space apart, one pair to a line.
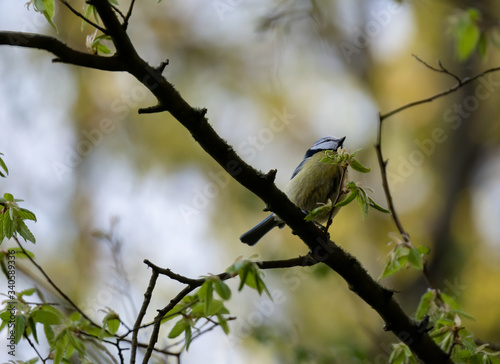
443,315
341,157
470,34
404,255
204,304
63,334
201,305
94,43
45,7
250,275
353,191
12,219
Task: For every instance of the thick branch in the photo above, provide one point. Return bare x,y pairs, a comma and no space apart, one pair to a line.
63,53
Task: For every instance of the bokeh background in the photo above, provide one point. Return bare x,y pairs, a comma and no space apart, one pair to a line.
274,76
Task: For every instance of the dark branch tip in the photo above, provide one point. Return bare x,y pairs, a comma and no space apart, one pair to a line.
271,175
202,112
159,70
152,109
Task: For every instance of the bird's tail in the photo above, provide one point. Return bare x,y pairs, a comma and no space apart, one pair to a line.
252,236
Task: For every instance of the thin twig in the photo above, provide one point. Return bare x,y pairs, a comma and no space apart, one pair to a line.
129,14
142,313
118,11
385,183
460,84
34,348
51,282
161,313
87,20
192,284
441,68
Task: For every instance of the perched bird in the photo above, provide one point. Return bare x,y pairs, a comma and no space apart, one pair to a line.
313,182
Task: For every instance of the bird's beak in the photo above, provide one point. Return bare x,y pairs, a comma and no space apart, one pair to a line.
341,141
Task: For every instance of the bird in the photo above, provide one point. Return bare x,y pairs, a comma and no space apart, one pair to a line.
313,182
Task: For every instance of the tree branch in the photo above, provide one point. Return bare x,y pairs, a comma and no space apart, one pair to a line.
192,284
385,184
64,53
129,14
441,68
460,84
142,313
51,282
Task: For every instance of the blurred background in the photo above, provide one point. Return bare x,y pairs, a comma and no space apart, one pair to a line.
275,76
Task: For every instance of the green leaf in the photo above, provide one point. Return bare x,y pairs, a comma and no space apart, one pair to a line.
243,273
450,301
4,167
188,337
8,197
223,323
23,230
20,325
46,7
48,315
2,233
222,289
206,294
179,327
482,45
377,206
473,14
425,304
199,309
49,333
423,250
21,254
318,211
32,326
26,214
358,166
90,10
353,154
113,325
350,197
415,259
26,292
363,201
8,226
467,40
102,49
77,343
396,261
111,321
